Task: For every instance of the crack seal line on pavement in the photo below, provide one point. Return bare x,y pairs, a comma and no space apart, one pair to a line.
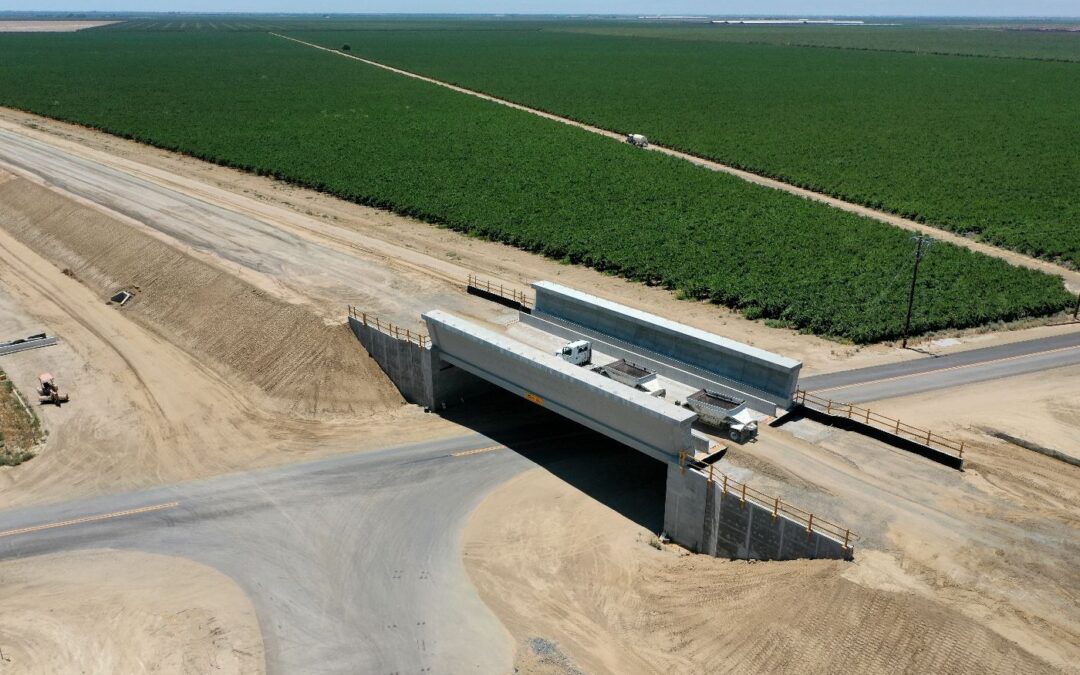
88,519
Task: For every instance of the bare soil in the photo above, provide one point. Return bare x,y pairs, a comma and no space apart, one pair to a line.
49,26
245,334
408,246
1041,408
219,365
107,611
157,394
565,569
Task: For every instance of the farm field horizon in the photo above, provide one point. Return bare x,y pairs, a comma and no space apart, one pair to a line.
986,147
388,343
259,103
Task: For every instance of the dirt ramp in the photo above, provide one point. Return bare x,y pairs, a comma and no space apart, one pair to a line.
242,332
582,589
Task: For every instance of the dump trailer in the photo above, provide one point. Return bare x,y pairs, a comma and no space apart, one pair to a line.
49,391
638,140
632,375
724,412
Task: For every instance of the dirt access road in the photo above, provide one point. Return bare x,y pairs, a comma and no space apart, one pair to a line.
1071,277
411,266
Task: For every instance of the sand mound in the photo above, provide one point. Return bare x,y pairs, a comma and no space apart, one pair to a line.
124,612
563,571
240,331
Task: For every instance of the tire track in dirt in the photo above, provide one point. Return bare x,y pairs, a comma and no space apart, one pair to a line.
1071,278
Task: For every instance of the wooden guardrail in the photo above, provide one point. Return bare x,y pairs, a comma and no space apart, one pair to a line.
372,321
505,292
779,507
887,424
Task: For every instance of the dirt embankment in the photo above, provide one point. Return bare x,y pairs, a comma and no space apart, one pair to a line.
582,590
436,252
124,612
286,351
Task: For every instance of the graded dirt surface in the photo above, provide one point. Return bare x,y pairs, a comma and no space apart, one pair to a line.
108,611
1040,408
286,350
581,589
50,26
176,384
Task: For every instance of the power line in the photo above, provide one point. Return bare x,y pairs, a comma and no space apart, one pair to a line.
922,245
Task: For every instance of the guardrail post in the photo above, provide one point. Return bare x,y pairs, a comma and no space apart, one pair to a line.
682,462
868,416
928,437
961,449
897,432
776,509
828,410
847,538
742,499
710,474
810,526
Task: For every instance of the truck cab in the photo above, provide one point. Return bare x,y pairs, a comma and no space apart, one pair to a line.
576,353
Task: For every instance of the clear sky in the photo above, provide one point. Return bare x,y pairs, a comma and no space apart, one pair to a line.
985,8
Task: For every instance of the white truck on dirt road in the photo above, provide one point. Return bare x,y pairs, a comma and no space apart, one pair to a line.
638,140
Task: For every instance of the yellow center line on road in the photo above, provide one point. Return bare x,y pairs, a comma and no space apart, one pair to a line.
466,453
88,519
945,370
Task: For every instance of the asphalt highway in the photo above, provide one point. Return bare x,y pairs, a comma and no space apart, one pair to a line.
352,563
941,372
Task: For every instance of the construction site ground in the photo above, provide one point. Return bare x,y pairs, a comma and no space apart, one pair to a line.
232,355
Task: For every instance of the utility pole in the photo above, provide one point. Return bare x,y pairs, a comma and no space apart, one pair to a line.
922,244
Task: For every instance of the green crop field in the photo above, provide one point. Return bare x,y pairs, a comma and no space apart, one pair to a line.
987,147
270,106
1040,40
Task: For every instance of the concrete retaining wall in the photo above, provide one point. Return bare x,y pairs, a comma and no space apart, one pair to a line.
703,519
417,372
774,376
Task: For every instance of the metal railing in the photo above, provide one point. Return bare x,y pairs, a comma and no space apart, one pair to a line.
779,507
372,321
500,290
889,424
